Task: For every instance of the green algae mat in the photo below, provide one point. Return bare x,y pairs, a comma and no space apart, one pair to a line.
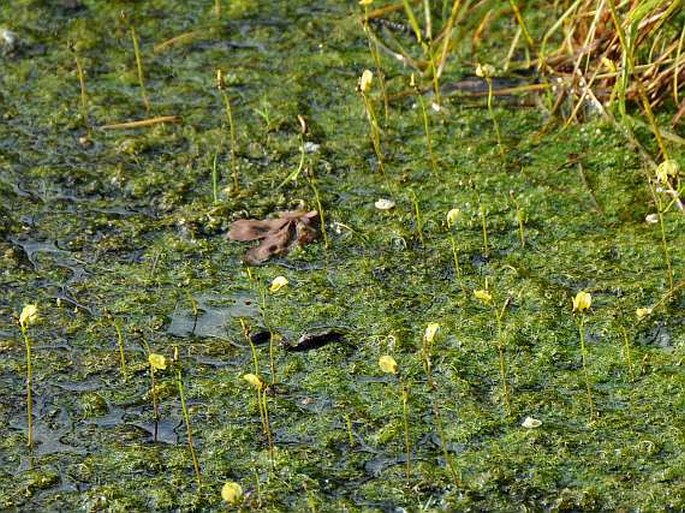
459,303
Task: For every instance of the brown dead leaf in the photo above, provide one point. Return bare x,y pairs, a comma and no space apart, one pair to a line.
278,236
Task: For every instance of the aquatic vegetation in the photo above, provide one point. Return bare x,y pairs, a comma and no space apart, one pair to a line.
28,316
364,87
278,283
581,303
487,71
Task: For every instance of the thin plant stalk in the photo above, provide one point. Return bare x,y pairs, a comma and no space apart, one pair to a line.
215,179
120,345
186,417
139,67
417,213
29,384
155,406
375,55
486,246
426,127
221,85
404,392
500,352
491,111
84,94
586,374
519,218
375,131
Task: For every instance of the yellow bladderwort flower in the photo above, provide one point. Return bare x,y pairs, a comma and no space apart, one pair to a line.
254,380
642,313
365,2
483,295
278,283
231,492
365,81
452,217
666,169
29,315
582,301
157,361
431,330
485,70
388,364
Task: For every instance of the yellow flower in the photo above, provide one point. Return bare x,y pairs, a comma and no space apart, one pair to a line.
388,364
231,492
254,380
483,295
278,283
582,301
452,217
431,330
365,81
485,70
157,361
29,315
642,313
365,2
666,169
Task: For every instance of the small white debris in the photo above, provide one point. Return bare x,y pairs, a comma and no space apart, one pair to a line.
384,204
531,423
8,40
652,218
311,147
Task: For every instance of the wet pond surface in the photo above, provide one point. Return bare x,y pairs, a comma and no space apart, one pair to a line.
119,236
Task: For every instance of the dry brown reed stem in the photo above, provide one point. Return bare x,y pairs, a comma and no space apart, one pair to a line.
142,123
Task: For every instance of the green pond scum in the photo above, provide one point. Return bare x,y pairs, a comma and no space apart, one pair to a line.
501,397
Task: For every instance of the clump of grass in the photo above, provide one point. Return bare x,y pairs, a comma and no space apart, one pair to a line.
28,316
581,303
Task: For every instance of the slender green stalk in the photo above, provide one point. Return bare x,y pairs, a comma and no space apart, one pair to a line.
319,208
486,246
29,384
375,131
417,213
586,374
491,111
139,66
231,128
404,393
519,218
155,406
426,126
215,179
375,55
455,256
186,417
120,344
501,343
84,94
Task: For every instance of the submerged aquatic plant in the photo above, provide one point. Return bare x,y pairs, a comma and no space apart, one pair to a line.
28,316
581,303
